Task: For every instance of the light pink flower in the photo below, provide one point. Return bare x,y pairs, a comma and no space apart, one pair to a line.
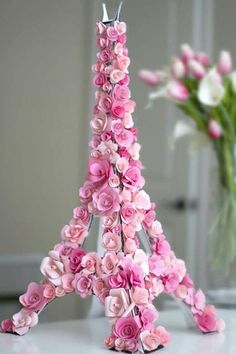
140,296
224,62
116,303
100,289
187,52
117,126
148,316
120,27
149,218
181,292
151,78
109,263
129,230
106,201
112,33
86,192
142,200
75,232
178,68
108,149
177,91
82,214
67,280
110,342
34,298
157,265
49,291
156,229
131,345
162,333
90,263
125,138
134,150
196,69
150,340
130,245
99,123
110,220
24,320
162,246
121,164
126,328
100,27
215,129
128,121
203,58
122,63
52,269
116,76
121,93
171,282
60,291
129,106
82,284
120,344
98,171
111,242
104,102
127,212
132,177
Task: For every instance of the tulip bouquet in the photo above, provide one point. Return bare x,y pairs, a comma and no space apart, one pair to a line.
207,94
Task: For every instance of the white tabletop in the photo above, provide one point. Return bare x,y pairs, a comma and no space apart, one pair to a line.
86,337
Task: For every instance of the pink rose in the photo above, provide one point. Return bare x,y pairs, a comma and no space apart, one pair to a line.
131,245
118,280
110,221
121,93
142,200
90,263
99,123
100,289
111,242
129,123
99,79
134,150
106,55
121,164
162,246
82,214
75,232
109,263
126,328
116,76
131,177
122,63
127,213
156,229
110,342
157,265
181,292
60,291
120,27
34,298
49,291
100,27
24,320
106,201
125,138
112,33
148,316
136,276
149,218
206,320
140,296
117,126
52,269
76,259
162,333
67,280
120,344
131,345
170,282
82,285
116,303
86,192
6,326
118,110
104,103
150,340
98,171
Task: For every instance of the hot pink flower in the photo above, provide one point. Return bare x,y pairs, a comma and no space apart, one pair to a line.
105,55
98,171
118,280
206,320
52,269
131,177
111,242
187,52
104,103
34,298
148,316
24,320
116,303
118,110
171,282
106,201
149,218
6,326
99,79
215,129
126,328
162,246
82,284
197,69
177,91
76,259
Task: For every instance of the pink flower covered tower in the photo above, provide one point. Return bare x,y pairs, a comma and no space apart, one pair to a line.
126,279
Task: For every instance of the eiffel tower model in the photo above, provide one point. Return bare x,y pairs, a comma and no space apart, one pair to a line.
126,279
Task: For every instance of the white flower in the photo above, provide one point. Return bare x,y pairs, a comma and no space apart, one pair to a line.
211,90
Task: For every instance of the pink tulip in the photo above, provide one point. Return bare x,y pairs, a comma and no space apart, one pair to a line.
178,68
203,58
196,69
214,129
151,78
187,52
224,62
177,91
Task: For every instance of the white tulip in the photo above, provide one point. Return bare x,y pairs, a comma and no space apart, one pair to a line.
211,91
233,80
